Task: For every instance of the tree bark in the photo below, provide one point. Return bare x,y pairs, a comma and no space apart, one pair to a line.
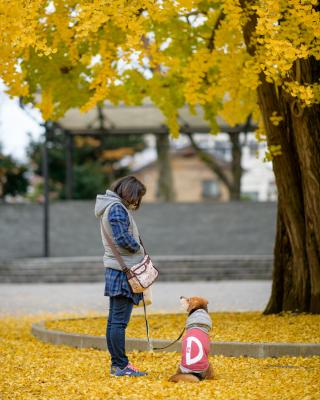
296,270
296,275
165,190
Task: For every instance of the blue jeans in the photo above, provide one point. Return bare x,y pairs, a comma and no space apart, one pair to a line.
120,309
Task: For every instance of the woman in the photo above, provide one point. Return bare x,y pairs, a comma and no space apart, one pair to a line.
113,208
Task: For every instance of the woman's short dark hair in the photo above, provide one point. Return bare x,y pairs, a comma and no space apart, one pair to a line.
130,189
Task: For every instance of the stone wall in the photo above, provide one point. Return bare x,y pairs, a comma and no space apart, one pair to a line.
167,229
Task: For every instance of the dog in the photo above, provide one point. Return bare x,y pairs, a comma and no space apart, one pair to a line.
194,365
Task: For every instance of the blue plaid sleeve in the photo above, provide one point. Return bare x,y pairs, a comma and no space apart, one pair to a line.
119,221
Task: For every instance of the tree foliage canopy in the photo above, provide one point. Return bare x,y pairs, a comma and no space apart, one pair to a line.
78,53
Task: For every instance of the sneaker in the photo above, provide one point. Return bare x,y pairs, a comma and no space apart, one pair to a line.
113,370
135,369
129,370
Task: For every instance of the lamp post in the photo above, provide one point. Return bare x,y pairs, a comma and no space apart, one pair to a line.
45,173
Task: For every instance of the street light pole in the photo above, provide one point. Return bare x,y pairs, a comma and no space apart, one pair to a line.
45,173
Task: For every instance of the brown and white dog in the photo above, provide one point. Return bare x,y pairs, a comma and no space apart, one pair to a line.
194,365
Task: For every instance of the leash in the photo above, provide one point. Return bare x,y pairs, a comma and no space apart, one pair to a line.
170,344
147,324
151,348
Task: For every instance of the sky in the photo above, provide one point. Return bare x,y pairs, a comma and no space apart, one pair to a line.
15,124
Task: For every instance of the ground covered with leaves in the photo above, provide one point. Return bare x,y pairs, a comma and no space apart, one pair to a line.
228,327
31,369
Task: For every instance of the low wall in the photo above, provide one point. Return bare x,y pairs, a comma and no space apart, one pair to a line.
235,228
227,349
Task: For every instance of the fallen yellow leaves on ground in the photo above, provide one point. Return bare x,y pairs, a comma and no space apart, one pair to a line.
31,369
233,327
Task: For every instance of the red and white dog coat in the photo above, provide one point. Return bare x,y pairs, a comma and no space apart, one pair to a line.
195,351
196,342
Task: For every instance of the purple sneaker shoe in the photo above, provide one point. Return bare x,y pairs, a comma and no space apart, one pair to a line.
129,370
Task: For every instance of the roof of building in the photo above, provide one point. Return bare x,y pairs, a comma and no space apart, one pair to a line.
143,119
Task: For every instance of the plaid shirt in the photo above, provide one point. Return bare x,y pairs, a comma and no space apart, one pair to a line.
116,282
119,220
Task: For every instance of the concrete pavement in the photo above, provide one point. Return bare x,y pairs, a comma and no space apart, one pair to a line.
20,299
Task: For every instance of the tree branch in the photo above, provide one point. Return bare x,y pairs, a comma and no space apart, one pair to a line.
220,18
211,163
249,28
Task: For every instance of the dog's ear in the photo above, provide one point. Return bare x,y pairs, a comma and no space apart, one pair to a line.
204,303
196,303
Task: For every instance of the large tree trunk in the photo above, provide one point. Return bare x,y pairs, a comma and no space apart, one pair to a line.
296,274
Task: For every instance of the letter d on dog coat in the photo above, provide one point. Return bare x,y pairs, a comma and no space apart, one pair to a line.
195,350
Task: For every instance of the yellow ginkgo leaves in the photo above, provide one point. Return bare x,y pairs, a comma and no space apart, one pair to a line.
32,370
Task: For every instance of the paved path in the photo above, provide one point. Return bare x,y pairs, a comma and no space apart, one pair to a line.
21,299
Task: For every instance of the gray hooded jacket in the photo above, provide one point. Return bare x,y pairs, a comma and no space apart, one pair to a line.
199,317
102,208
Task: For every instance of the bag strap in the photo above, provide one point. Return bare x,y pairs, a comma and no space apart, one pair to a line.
145,252
114,249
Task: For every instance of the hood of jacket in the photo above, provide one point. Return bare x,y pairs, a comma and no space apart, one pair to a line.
104,200
199,317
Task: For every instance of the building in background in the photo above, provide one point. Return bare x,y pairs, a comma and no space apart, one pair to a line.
194,181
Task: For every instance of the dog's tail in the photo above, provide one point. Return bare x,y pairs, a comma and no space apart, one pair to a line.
184,378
